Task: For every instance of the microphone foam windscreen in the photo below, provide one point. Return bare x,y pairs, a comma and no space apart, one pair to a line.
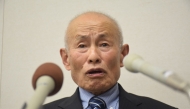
52,70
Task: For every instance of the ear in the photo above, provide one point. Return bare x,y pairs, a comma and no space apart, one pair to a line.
65,58
124,52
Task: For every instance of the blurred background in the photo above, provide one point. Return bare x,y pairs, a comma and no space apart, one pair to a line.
32,31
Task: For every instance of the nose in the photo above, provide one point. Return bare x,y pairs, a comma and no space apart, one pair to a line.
94,56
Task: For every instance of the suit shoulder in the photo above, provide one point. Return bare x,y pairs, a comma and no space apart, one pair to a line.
140,101
54,104
152,103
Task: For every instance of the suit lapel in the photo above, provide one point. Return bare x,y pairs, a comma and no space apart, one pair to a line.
72,102
127,101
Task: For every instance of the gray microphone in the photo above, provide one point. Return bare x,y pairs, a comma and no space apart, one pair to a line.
47,80
135,63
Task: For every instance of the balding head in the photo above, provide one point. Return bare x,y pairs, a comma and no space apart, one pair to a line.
95,52
92,17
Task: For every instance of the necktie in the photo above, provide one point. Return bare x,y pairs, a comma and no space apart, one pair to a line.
96,103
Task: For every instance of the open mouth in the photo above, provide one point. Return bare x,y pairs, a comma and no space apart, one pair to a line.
95,72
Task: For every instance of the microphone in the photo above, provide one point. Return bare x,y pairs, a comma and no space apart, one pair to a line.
47,81
134,63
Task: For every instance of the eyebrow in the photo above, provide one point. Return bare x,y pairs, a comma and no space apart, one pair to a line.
81,37
103,35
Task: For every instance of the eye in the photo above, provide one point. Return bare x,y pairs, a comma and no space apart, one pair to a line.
104,45
81,46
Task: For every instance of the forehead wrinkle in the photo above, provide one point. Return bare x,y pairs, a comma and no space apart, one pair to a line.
102,35
88,28
104,23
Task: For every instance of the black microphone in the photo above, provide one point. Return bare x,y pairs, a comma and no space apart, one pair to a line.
47,80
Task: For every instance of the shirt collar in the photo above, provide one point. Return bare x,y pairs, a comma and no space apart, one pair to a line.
111,97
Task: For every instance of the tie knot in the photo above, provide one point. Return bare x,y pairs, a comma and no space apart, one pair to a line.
96,103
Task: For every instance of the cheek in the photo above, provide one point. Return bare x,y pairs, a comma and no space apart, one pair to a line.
76,67
113,60
113,64
76,61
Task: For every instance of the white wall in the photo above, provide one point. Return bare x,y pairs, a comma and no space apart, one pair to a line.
1,41
158,30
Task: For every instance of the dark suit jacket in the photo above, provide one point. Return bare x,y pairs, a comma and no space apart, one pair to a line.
126,101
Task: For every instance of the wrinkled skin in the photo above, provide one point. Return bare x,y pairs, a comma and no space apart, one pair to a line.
94,55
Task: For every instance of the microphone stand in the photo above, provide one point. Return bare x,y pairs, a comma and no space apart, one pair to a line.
25,106
45,85
187,91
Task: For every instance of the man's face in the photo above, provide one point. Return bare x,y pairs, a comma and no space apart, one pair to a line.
93,56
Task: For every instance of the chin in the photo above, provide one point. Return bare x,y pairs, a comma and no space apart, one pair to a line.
98,88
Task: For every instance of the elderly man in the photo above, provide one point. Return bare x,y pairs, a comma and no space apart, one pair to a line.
94,52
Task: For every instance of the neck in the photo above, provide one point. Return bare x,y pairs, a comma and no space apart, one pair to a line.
97,93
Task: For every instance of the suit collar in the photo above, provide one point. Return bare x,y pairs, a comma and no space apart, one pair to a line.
72,102
127,100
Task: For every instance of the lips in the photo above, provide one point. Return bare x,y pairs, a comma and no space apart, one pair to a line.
96,72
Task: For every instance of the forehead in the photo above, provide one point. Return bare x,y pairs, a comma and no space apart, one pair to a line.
91,22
